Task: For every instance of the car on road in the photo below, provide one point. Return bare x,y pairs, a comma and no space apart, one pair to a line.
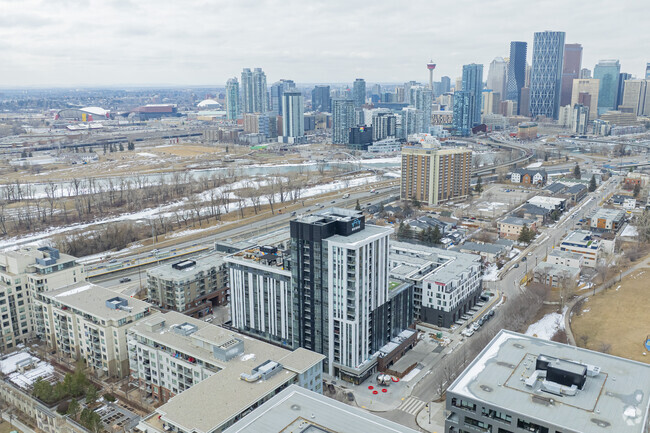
293,213
529,254
125,280
333,201
516,265
524,259
346,195
468,332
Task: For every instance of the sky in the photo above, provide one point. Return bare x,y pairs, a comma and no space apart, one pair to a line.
82,43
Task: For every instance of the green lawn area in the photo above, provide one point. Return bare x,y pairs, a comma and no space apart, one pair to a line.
391,286
5,427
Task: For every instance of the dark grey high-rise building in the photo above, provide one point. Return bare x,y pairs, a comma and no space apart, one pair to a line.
342,120
516,72
546,74
359,92
621,87
277,89
339,277
320,99
570,71
445,85
473,83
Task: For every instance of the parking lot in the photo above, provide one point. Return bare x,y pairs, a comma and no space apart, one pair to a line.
498,199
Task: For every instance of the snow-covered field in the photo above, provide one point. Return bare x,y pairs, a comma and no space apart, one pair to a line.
169,210
547,326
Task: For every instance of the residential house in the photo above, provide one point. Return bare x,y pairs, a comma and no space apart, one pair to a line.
529,176
510,227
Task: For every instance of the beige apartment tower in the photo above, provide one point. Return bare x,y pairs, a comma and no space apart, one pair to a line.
432,174
588,86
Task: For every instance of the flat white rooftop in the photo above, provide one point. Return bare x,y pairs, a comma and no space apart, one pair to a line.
615,400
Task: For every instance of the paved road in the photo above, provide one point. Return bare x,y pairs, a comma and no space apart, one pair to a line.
426,390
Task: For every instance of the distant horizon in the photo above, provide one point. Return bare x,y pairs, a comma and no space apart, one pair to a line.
196,43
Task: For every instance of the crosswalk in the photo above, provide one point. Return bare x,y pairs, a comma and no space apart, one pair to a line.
412,405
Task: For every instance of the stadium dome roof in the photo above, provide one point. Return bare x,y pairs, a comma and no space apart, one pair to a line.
208,103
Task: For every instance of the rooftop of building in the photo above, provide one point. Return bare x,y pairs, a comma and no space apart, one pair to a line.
534,209
22,369
95,300
369,231
186,268
222,396
268,257
565,254
576,188
418,262
39,257
555,187
489,248
509,373
546,200
296,409
513,220
556,269
580,237
330,214
609,214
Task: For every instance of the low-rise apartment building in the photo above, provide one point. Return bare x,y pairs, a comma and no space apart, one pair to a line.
555,275
510,227
582,242
446,283
89,322
23,273
521,384
191,286
208,376
566,258
606,220
550,203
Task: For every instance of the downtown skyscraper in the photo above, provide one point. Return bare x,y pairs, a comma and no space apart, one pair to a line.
293,123
320,99
253,91
232,99
472,83
607,72
570,71
277,90
546,74
496,78
359,92
516,73
342,120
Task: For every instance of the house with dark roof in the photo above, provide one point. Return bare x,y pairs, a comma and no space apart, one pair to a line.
531,211
575,193
529,176
555,188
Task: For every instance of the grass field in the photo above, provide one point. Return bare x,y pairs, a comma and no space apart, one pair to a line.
187,150
616,320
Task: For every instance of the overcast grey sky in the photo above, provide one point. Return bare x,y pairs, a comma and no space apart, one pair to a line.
203,42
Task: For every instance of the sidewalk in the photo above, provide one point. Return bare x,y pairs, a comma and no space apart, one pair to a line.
432,417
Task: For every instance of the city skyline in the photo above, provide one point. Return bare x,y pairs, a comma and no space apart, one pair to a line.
149,43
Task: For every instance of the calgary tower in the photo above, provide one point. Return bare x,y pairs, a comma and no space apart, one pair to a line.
431,66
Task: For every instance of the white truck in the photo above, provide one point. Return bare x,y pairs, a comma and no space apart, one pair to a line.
346,195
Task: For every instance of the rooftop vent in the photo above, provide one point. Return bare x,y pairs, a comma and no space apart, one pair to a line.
184,264
118,303
263,371
185,329
562,372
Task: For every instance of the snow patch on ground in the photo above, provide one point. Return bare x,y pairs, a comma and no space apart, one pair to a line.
150,155
411,375
629,231
491,273
514,253
534,165
188,232
547,326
